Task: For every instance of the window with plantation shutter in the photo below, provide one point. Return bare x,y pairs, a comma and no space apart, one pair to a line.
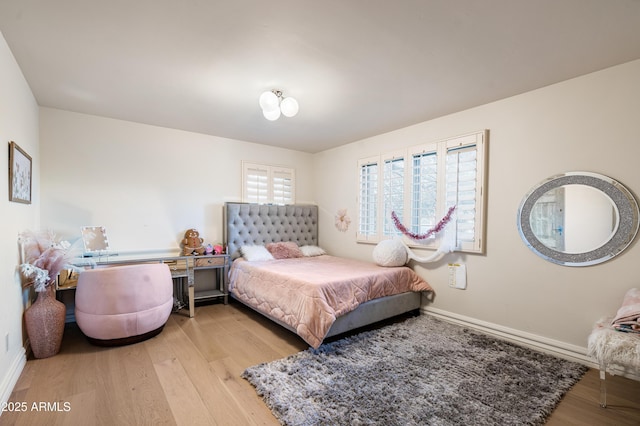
256,180
461,184
368,199
393,182
267,184
283,188
424,190
420,185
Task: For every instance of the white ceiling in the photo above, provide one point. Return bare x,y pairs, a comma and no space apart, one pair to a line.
357,67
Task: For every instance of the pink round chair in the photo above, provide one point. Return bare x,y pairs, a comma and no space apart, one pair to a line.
121,305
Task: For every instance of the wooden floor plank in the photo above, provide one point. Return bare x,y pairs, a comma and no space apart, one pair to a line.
218,402
186,405
254,410
128,387
581,406
190,374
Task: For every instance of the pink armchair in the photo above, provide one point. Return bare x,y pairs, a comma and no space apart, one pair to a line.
123,304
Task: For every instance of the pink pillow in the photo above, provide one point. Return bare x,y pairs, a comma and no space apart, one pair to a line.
286,250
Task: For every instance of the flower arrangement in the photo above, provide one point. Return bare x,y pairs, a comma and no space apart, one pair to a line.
44,257
439,226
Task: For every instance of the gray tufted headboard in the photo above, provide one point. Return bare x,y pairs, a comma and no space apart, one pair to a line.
246,224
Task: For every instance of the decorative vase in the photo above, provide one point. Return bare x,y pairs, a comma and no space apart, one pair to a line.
45,324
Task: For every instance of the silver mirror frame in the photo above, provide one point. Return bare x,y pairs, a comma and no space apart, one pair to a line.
624,235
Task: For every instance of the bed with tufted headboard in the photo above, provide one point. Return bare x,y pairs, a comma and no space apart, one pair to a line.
261,224
290,283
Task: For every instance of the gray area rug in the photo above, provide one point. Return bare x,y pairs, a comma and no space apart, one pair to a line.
422,371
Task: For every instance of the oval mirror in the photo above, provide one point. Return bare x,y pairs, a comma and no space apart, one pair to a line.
578,219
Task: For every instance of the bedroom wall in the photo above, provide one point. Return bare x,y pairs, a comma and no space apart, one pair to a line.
18,123
588,123
145,184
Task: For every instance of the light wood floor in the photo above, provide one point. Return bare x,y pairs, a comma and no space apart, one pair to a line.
190,375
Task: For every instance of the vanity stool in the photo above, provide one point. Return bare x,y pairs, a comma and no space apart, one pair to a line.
121,305
611,347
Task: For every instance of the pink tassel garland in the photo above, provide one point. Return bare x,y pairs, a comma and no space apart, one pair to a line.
439,227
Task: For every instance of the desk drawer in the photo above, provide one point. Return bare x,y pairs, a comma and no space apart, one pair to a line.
178,268
210,261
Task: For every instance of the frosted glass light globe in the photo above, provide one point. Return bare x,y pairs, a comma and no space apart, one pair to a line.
271,115
289,107
268,101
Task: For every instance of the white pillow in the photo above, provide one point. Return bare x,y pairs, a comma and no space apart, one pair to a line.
255,253
312,251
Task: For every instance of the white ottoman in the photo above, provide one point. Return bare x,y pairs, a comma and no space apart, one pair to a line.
611,347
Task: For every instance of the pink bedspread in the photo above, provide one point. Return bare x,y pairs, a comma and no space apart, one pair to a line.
309,293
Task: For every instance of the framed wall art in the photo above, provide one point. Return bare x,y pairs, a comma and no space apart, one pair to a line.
19,174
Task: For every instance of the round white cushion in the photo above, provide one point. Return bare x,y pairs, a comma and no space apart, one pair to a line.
390,253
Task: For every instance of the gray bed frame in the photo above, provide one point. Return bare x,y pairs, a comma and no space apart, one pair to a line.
246,224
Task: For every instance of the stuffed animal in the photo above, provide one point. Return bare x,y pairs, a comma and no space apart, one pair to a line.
192,243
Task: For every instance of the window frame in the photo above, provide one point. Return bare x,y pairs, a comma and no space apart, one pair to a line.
271,172
441,149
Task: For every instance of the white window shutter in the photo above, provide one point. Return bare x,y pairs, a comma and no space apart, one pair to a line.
267,184
393,184
368,181
283,185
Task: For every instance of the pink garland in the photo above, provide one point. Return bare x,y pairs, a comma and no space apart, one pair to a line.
439,227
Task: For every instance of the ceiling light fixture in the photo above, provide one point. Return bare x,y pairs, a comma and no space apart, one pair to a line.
273,104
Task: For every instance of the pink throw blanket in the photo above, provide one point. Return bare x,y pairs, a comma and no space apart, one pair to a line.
309,293
628,316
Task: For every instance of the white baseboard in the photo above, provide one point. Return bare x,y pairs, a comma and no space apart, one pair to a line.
8,382
543,344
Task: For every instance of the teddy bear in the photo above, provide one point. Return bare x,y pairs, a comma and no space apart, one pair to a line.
192,243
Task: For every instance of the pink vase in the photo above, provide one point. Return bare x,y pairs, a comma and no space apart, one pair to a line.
45,324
